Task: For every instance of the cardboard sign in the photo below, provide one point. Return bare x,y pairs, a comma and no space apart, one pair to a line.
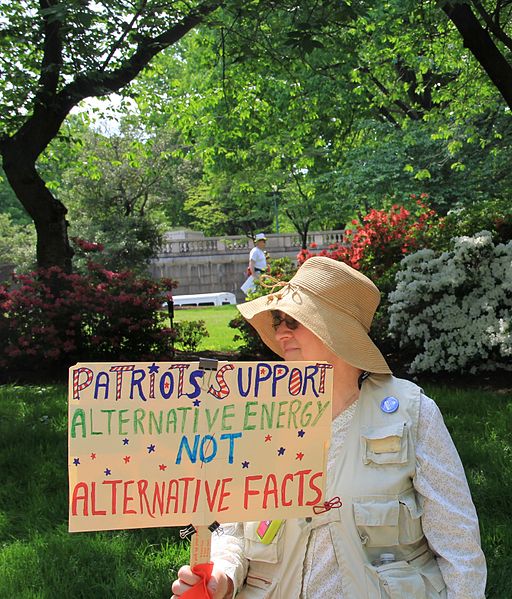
168,444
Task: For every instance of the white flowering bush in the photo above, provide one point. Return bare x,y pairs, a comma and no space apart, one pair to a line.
454,309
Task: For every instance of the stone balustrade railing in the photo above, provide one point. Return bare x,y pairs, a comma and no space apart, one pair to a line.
214,264
278,242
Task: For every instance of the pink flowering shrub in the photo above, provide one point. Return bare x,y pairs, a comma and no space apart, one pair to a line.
50,319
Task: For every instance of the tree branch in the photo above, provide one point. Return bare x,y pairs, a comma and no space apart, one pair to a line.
493,24
123,37
407,110
51,62
98,84
42,126
481,45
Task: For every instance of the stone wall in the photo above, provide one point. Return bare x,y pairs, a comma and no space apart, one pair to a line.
212,264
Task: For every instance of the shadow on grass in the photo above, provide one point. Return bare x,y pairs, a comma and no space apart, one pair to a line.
84,565
38,556
480,422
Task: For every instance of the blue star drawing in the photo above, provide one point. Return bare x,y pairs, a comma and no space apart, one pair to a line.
197,403
301,433
153,368
151,448
126,441
245,464
107,471
76,461
281,451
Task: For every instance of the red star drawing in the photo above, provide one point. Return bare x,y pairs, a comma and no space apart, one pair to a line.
93,456
268,438
300,455
163,467
126,459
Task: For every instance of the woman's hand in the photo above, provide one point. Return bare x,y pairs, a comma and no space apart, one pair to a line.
219,586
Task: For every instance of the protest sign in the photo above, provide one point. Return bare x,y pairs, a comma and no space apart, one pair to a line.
167,444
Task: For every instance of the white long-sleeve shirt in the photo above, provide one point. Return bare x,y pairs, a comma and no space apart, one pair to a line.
449,520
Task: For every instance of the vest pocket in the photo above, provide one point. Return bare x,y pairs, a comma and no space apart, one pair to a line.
387,521
259,587
401,580
255,550
376,518
410,529
434,581
385,444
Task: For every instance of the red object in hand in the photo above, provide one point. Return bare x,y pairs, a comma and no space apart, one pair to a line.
198,591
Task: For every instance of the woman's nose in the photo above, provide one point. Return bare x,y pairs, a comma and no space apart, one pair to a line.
282,331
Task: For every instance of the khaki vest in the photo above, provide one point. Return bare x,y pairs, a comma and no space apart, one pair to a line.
381,512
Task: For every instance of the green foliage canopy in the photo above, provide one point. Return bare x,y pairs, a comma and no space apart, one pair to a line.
335,109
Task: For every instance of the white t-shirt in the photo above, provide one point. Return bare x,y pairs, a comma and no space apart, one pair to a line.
258,256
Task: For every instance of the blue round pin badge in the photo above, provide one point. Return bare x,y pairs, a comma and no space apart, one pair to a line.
389,404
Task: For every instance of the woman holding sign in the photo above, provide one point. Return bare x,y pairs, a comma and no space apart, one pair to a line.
398,520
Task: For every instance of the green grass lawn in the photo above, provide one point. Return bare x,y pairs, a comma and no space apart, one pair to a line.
481,425
217,324
40,559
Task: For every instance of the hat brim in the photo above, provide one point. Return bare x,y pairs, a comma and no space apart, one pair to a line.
342,334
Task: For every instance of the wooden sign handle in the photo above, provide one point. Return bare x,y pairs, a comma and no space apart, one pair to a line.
200,546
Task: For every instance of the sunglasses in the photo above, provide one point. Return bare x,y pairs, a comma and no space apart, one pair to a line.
277,319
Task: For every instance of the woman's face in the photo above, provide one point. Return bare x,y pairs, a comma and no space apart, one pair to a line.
298,342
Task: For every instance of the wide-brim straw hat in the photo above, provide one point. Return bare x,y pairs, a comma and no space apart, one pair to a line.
334,301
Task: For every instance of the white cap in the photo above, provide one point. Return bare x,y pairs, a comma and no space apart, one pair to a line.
260,236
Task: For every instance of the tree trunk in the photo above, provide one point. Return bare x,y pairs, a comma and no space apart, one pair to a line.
48,213
304,235
480,43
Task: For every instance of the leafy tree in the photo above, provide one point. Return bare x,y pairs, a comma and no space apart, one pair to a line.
17,244
9,203
387,162
55,55
121,242
290,81
215,208
259,137
337,108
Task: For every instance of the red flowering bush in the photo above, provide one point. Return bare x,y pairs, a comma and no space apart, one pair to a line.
87,246
382,238
50,319
376,244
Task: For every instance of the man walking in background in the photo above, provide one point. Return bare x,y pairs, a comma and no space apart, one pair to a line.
257,257
257,262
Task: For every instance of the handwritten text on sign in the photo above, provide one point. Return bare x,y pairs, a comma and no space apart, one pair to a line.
166,444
